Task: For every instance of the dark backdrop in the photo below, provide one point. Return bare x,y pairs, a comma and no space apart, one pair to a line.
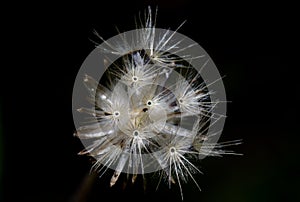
252,44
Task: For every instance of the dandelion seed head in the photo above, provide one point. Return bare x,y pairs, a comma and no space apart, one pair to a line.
152,107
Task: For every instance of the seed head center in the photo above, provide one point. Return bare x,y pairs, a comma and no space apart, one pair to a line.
136,133
135,78
172,150
116,114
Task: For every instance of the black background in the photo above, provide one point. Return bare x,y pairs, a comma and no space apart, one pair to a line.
254,45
